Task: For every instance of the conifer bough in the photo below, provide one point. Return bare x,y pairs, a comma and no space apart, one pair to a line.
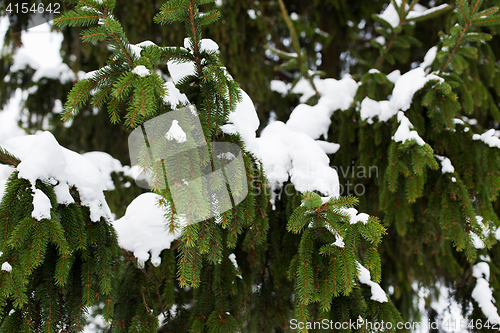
305,256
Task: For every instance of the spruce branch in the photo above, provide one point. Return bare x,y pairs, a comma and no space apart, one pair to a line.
404,18
7,158
452,53
467,18
402,21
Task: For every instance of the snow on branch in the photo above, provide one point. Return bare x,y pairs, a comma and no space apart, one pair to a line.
488,138
289,150
402,95
378,294
405,131
42,158
143,230
446,165
482,293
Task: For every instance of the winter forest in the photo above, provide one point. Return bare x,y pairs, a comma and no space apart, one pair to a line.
249,166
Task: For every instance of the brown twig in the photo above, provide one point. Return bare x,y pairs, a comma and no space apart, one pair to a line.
296,46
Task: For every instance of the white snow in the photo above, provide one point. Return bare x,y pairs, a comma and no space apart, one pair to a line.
141,70
232,257
371,109
289,151
145,43
380,40
174,96
244,120
107,165
41,206
415,14
328,147
355,217
442,301
339,241
429,57
471,121
9,117
22,61
481,270
43,43
285,152
394,75
311,120
92,74
407,85
143,229
405,132
476,240
281,87
207,44
6,267
335,95
487,137
390,14
378,294
95,321
61,72
43,158
446,165
176,133
252,14
482,293
179,70
136,50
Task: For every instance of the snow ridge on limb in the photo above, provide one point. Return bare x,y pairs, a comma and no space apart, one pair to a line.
42,158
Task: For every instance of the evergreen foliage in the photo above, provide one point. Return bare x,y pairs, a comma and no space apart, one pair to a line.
57,266
303,258
201,245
